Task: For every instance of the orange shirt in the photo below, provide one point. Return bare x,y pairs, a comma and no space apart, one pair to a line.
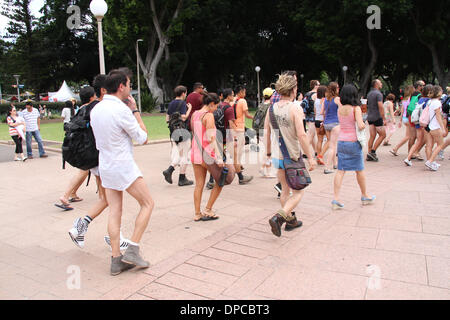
241,108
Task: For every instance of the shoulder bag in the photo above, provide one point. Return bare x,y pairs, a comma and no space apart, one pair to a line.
297,176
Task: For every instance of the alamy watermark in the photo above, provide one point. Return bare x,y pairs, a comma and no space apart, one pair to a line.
74,20
74,280
374,281
374,21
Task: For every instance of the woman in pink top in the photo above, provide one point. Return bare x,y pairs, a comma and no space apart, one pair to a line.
204,132
410,135
350,154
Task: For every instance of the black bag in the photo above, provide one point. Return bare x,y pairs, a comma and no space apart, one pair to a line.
79,148
446,105
176,123
297,176
219,118
308,104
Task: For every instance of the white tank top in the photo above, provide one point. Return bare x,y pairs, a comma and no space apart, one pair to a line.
318,108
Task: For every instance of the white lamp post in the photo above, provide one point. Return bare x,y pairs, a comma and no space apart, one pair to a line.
18,89
138,75
258,70
345,69
99,9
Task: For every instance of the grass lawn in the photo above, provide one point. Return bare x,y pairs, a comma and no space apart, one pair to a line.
156,126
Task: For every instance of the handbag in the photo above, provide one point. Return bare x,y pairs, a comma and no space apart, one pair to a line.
360,134
297,176
213,167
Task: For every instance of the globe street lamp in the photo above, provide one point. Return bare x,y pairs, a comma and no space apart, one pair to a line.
258,70
99,9
301,82
345,68
18,89
138,75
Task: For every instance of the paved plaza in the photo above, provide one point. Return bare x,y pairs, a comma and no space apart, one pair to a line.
399,248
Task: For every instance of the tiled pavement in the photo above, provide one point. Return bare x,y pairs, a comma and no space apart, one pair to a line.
399,248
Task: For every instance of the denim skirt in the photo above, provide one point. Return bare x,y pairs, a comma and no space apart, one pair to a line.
350,156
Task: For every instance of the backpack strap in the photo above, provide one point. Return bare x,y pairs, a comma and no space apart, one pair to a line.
281,142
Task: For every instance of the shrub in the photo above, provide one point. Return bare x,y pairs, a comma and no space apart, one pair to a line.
148,102
53,106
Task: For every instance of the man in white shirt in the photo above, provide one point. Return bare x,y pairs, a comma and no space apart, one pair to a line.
33,127
116,125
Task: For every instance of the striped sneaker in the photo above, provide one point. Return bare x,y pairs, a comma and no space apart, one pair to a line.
78,232
123,242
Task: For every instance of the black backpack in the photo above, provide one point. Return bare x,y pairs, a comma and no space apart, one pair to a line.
219,118
79,148
175,121
308,103
260,116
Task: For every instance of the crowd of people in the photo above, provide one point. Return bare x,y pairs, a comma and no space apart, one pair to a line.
294,135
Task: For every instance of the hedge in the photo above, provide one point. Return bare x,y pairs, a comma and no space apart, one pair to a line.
54,106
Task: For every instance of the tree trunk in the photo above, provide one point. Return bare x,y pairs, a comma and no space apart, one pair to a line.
439,67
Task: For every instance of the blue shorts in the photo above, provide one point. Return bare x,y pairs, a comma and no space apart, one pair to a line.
278,164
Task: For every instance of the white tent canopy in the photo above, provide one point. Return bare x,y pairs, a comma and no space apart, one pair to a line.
62,95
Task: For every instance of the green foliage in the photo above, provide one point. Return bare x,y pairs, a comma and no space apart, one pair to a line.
148,102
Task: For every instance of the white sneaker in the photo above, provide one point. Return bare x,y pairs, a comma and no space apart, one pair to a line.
408,162
123,242
78,232
441,155
431,165
436,164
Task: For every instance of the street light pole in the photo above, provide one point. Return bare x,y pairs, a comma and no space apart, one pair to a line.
301,83
18,89
258,70
99,9
138,74
345,68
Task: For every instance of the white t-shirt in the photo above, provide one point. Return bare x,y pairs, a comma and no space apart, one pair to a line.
31,119
66,114
115,128
435,106
318,106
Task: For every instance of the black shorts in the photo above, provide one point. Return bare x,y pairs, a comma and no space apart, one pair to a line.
378,123
318,123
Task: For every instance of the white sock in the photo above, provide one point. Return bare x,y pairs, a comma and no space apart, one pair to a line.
133,244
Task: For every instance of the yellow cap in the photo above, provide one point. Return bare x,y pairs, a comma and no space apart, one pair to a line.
268,92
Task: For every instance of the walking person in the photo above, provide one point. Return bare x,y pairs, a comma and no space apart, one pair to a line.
421,99
331,125
67,113
320,130
16,128
410,130
33,127
390,118
289,119
310,116
436,128
376,119
115,126
195,99
177,114
204,143
350,152
241,111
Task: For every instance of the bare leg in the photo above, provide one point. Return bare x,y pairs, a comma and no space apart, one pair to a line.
114,199
288,203
215,192
101,204
141,193
74,184
415,147
373,134
200,177
361,178
331,158
429,141
338,179
381,136
437,137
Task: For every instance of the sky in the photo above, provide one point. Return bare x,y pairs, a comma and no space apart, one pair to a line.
35,6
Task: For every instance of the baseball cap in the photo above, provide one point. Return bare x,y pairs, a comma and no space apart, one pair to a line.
29,103
268,92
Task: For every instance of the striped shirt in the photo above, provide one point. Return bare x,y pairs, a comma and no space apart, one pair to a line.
31,119
12,130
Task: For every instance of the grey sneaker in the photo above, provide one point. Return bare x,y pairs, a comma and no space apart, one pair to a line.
132,256
118,266
246,180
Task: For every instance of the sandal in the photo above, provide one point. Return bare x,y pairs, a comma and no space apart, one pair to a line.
210,214
75,199
198,217
63,206
395,154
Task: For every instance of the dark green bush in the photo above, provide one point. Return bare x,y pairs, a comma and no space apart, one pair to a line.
53,106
